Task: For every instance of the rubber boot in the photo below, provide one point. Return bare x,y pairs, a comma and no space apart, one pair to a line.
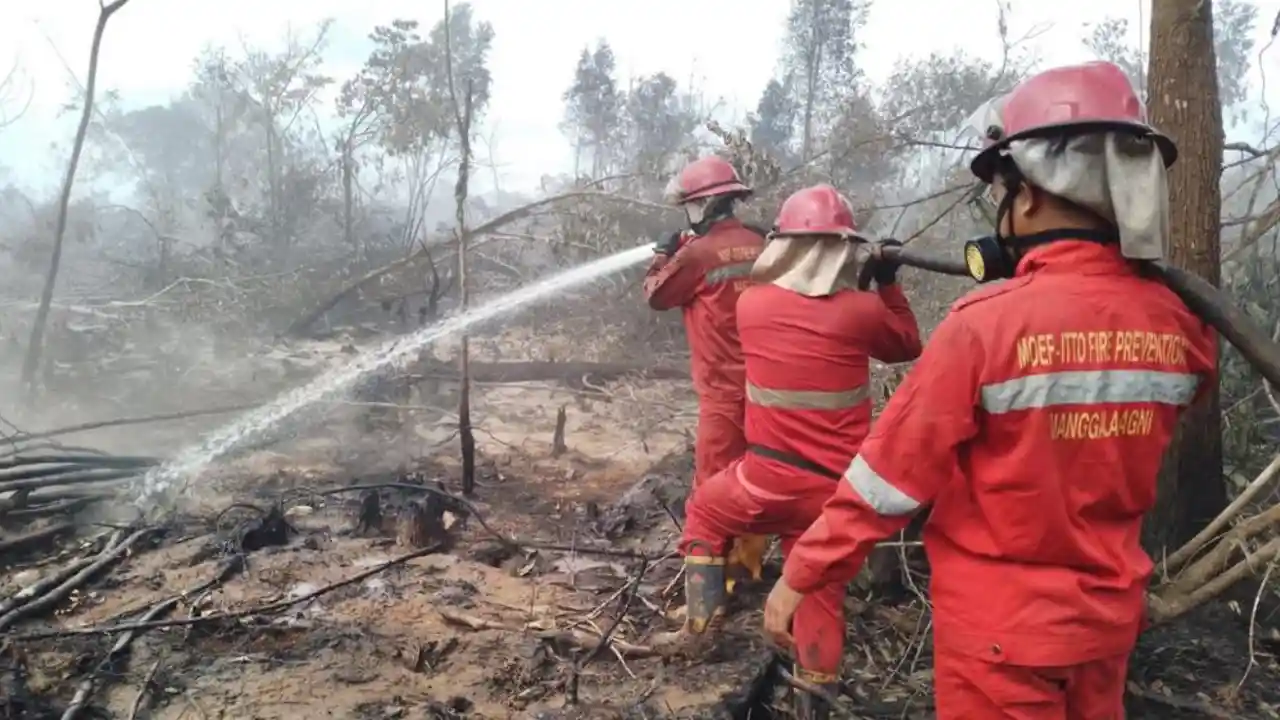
808,706
704,605
746,554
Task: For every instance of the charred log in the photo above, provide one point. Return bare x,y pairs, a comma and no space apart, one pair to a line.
270,530
558,447
421,524
368,520
38,539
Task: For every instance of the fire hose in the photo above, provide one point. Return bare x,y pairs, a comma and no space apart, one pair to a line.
1203,299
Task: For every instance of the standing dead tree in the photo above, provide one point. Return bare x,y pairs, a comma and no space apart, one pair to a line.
462,115
32,359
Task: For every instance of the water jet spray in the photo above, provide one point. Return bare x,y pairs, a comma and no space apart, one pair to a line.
394,354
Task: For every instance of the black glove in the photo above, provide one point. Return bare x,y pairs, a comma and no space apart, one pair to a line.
885,271
668,245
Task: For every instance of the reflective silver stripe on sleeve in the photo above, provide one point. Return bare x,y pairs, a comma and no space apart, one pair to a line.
1089,387
877,492
807,399
729,272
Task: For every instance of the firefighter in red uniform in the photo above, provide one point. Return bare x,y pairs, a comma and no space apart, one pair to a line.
702,271
807,336
1036,418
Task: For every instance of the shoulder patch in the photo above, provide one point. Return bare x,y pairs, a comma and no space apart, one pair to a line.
986,293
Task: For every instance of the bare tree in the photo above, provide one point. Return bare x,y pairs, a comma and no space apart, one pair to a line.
462,115
1185,104
32,359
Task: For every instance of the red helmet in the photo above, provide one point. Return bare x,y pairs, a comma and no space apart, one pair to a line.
705,177
1076,99
817,210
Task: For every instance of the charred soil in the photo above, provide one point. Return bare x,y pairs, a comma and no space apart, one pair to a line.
388,595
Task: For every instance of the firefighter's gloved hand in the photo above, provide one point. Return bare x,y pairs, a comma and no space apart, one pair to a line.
885,271
668,245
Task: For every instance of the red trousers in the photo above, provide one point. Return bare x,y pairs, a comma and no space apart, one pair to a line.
758,496
969,688
719,439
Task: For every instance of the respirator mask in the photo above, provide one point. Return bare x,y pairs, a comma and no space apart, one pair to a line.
996,256
988,257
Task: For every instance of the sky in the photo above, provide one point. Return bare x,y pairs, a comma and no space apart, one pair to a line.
727,48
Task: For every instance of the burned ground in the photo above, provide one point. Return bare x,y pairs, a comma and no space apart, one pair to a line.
342,574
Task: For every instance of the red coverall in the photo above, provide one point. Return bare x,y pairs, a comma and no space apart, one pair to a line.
1035,422
704,278
808,409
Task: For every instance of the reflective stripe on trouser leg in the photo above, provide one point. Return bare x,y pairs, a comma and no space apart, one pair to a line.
704,594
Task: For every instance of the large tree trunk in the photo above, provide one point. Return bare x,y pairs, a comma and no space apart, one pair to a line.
1184,103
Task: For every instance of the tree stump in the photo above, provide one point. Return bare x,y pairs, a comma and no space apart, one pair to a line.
369,515
270,530
558,447
421,523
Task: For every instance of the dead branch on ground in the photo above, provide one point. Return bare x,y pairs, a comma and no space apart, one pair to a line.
120,422
572,638
118,546
267,609
142,691
1217,558
632,589
35,538
118,653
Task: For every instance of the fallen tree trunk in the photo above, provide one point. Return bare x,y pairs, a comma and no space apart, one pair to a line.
35,538
24,500
79,477
304,323
545,371
73,460
82,427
